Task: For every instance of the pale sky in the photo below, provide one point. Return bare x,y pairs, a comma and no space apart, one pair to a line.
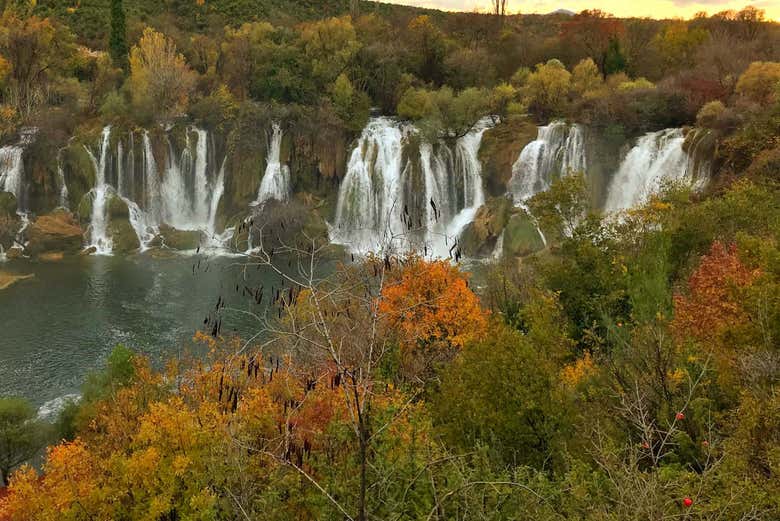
622,8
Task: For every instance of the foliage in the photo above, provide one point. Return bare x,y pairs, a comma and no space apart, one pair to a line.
160,80
117,42
21,435
759,83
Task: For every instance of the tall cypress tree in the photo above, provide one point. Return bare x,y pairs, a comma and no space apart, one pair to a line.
117,42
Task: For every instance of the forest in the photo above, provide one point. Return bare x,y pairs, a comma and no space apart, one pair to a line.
602,366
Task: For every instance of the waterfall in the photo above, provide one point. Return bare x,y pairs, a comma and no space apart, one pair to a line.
151,191
379,190
371,192
63,202
656,157
11,172
558,150
186,191
98,229
276,180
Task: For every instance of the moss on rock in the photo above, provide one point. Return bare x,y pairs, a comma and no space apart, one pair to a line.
180,239
521,236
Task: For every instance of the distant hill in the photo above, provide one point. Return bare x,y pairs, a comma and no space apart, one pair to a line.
563,12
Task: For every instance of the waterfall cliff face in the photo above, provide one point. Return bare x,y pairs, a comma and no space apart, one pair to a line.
381,203
276,180
656,158
558,150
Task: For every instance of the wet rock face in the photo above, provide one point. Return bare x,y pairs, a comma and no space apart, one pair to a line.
294,223
58,231
9,221
500,148
180,239
479,238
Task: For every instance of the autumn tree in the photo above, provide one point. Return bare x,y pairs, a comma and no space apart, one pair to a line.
160,80
435,319
593,31
760,82
427,49
710,306
585,77
547,89
36,50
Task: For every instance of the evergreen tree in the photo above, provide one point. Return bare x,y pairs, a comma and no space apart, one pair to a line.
614,61
117,43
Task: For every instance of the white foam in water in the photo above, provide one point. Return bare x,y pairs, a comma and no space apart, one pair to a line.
51,409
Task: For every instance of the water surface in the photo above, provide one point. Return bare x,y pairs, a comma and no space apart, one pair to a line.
63,323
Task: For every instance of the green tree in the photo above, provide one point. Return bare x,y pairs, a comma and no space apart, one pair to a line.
614,61
117,41
21,434
500,391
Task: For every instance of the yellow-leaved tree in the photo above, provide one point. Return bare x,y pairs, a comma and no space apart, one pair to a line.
160,80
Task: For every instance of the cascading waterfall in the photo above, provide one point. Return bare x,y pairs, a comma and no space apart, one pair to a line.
559,149
657,157
63,202
453,181
151,188
372,209
370,193
184,194
276,180
98,229
11,172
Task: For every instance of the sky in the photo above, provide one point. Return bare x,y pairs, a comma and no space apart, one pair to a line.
621,8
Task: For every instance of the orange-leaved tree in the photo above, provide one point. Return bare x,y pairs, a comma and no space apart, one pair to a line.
431,309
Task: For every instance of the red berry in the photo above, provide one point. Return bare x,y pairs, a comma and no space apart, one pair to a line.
705,443
680,416
645,445
687,502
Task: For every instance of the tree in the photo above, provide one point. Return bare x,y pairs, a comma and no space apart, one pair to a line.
433,310
499,7
161,82
593,31
614,61
500,391
427,49
117,41
351,105
559,209
547,89
330,45
37,50
585,77
760,82
21,435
